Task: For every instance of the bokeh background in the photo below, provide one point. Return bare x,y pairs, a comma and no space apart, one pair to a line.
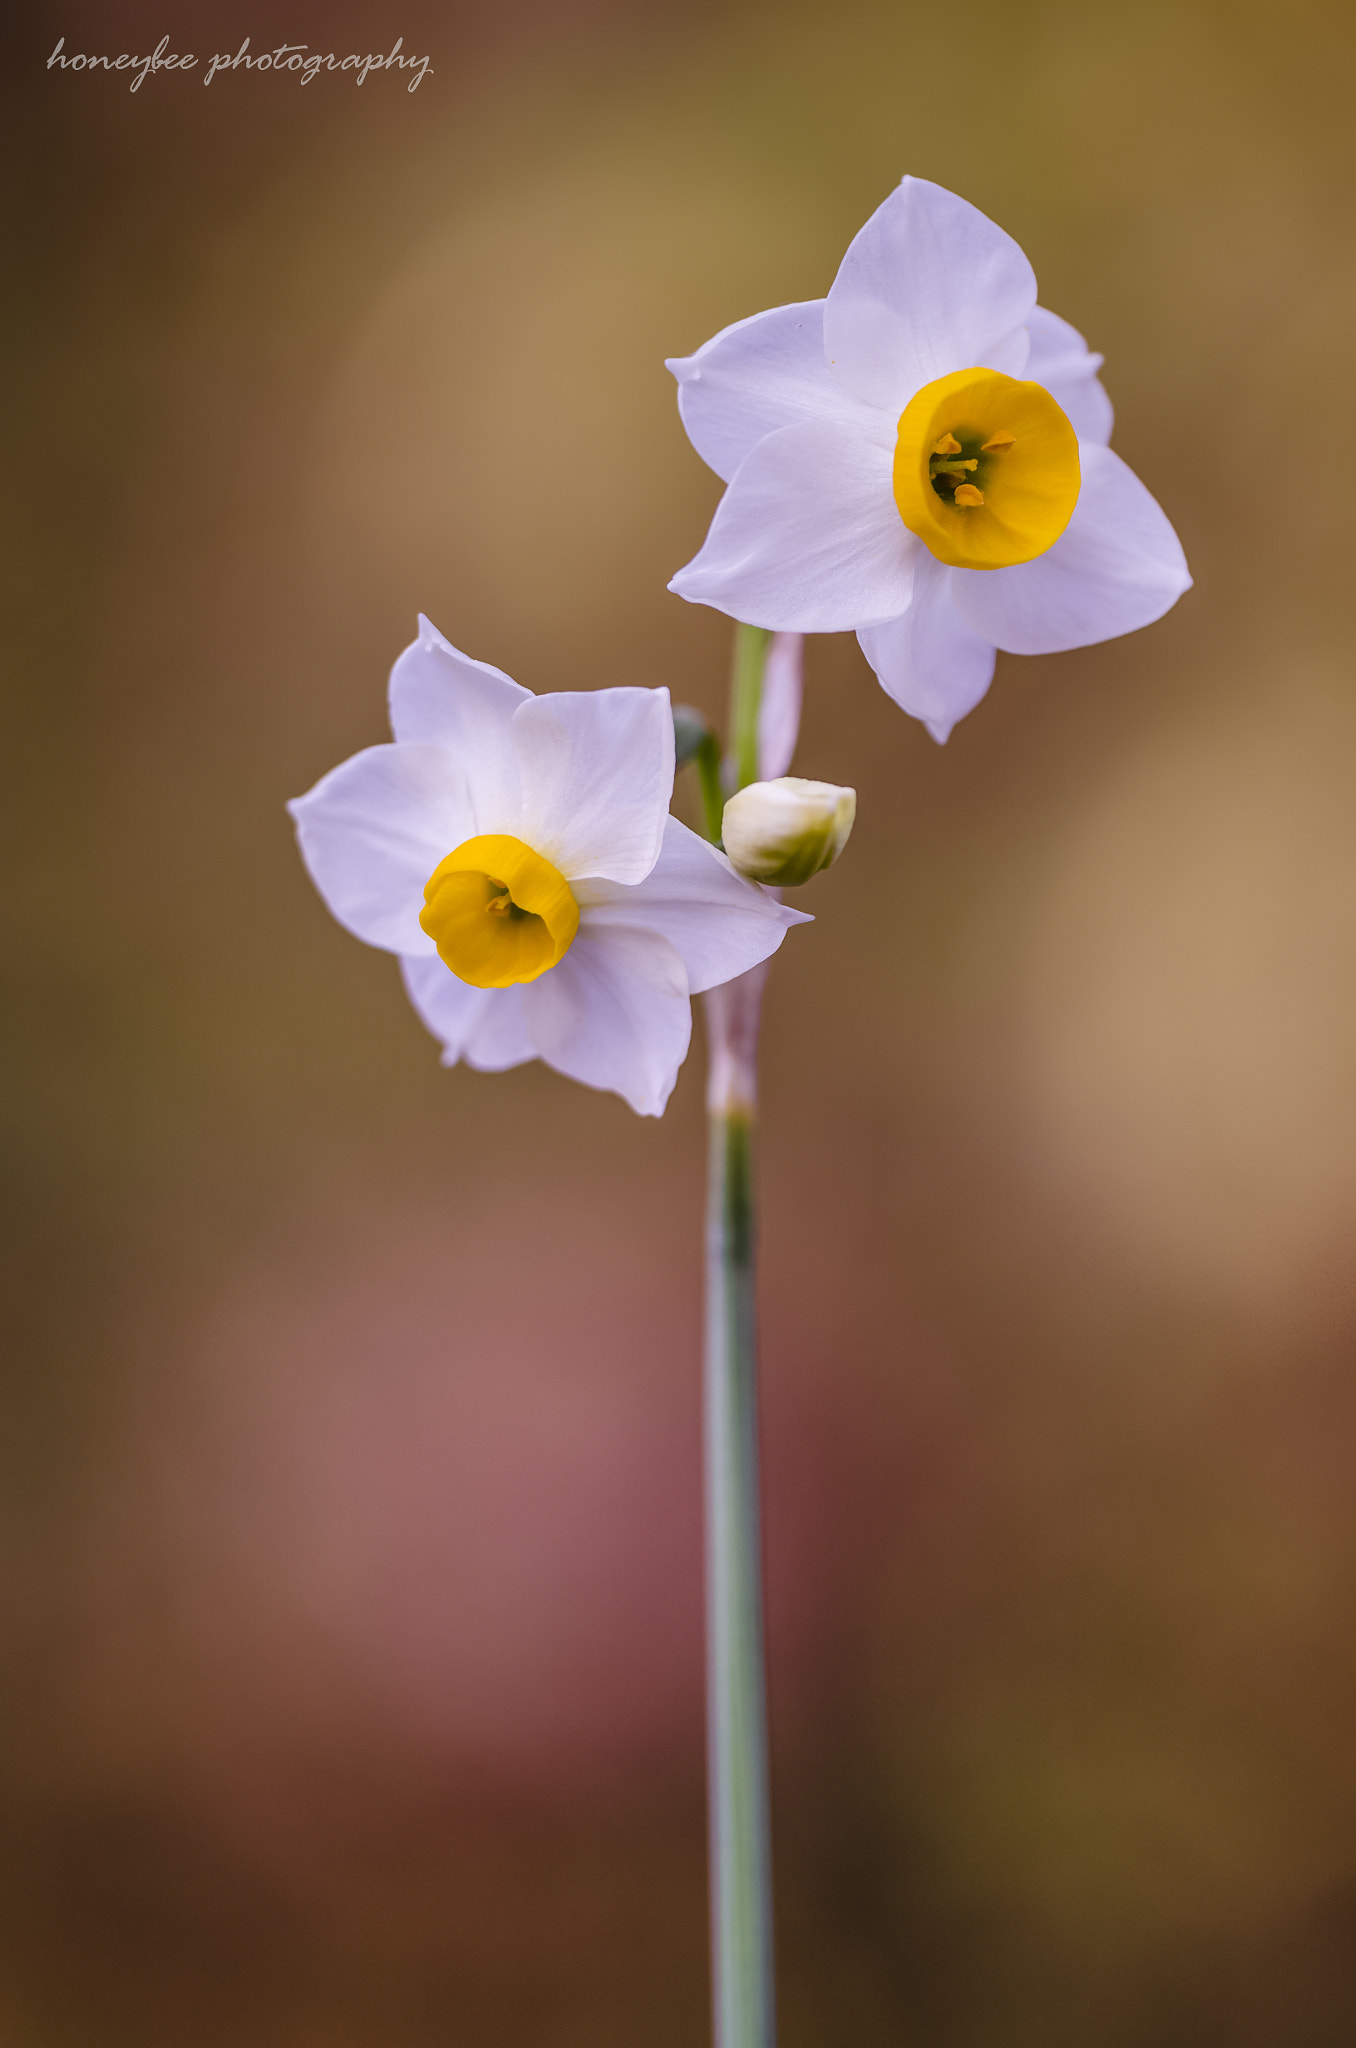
350,1597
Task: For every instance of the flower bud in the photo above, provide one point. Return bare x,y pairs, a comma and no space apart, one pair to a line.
783,832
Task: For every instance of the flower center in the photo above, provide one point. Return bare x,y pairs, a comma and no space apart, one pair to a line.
498,913
986,469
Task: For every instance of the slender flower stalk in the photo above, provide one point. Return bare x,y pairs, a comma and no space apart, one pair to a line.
707,764
737,1750
746,697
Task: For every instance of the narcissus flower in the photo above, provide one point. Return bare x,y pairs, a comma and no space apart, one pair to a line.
517,853
922,458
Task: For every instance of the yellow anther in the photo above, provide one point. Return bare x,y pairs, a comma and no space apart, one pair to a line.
999,441
966,494
948,445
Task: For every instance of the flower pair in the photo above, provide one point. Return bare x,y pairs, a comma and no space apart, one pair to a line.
921,458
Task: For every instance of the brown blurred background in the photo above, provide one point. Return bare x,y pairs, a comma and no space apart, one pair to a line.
351,1592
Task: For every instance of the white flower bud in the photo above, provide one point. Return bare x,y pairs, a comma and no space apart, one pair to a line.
783,832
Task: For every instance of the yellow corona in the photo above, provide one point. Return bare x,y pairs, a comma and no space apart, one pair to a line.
986,469
498,912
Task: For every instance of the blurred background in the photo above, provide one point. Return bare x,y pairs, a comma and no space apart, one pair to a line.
350,1521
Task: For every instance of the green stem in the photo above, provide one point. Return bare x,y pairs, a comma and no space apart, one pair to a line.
736,1688
746,697
706,761
739,1848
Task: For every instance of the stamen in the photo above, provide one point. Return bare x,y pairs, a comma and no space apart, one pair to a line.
500,906
948,445
966,494
999,441
953,468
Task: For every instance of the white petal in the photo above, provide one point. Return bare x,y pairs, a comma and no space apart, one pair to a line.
1117,567
933,665
501,1038
763,373
449,1007
779,708
597,778
373,830
440,695
719,924
483,1026
928,286
615,1014
1061,360
808,538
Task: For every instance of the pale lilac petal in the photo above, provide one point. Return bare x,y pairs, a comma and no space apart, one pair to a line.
596,768
440,695
449,1007
1118,566
763,373
500,1037
1061,360
483,1026
615,1014
928,286
719,924
929,660
779,710
373,830
808,538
